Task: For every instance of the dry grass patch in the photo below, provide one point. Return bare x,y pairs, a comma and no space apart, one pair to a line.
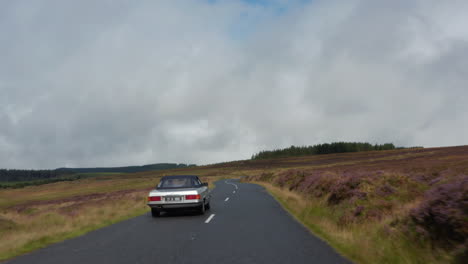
30,226
59,190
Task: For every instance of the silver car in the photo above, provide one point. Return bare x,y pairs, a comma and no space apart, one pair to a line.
179,192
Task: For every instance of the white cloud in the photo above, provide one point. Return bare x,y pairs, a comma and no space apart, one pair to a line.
113,83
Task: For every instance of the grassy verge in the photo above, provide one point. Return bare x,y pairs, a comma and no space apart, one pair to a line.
27,227
370,242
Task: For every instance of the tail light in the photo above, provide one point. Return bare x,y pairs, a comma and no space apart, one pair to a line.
154,198
193,197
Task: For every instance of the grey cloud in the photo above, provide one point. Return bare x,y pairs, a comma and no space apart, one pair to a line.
113,83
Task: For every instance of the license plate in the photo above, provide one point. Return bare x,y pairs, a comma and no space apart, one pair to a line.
173,199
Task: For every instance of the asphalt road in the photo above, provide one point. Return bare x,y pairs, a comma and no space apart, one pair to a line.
249,227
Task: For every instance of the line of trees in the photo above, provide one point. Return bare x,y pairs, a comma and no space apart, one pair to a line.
326,148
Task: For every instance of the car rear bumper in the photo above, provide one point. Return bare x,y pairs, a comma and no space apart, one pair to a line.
175,206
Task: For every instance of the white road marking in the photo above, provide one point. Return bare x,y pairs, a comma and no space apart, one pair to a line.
226,199
235,185
233,191
209,218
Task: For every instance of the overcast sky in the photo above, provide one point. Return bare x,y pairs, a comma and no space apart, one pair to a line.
110,83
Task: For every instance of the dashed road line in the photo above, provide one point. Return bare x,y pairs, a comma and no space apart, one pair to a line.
209,218
235,185
226,199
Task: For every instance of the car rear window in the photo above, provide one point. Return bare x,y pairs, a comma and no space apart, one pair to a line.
178,182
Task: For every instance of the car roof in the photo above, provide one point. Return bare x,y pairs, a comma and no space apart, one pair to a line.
179,177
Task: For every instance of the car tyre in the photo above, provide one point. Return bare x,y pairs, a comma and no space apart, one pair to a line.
155,212
202,208
208,206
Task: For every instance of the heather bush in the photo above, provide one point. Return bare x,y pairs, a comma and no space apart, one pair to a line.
291,179
265,176
345,188
283,178
358,210
443,214
317,184
314,183
386,190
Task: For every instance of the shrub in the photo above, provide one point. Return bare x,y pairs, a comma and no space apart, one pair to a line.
345,188
444,213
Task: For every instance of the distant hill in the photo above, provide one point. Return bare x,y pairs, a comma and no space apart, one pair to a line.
127,169
45,176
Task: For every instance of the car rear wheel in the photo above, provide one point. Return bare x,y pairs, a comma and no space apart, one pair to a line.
155,212
202,208
208,206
